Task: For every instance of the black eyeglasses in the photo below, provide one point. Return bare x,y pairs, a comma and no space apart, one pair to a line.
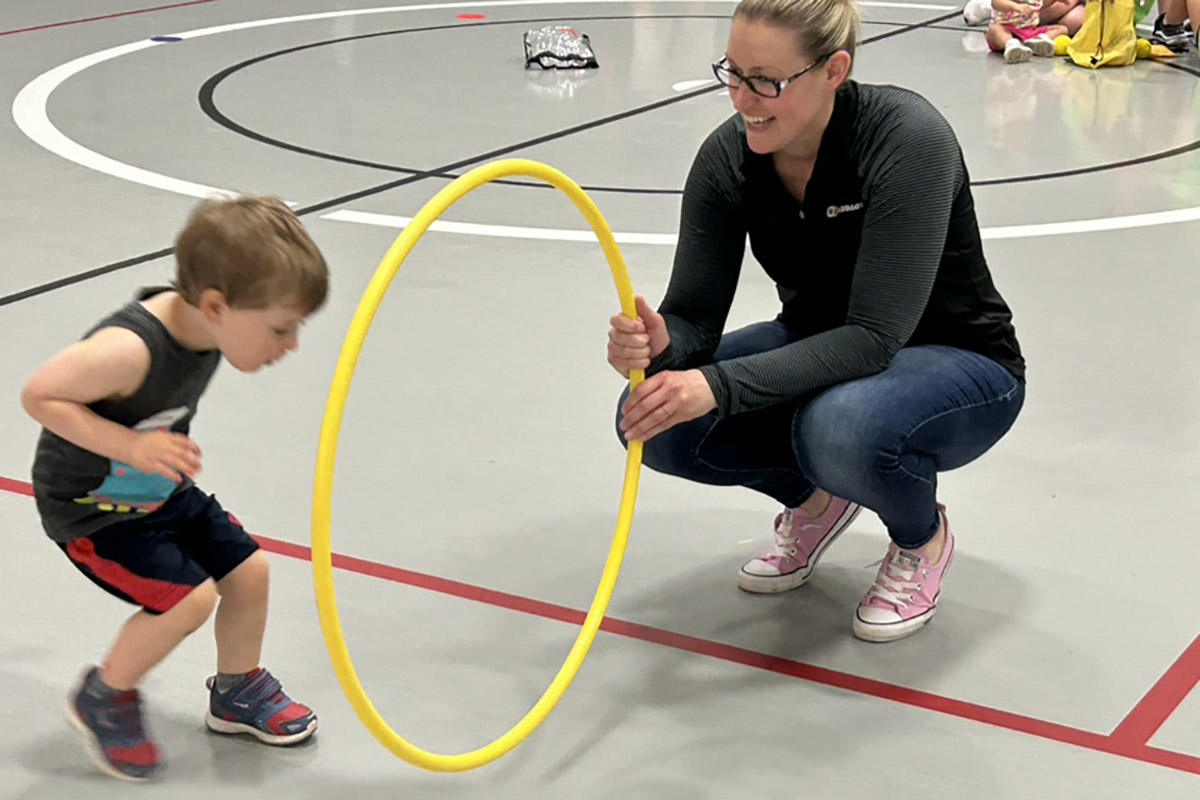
763,87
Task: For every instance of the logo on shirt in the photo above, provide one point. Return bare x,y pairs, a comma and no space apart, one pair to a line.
833,211
127,488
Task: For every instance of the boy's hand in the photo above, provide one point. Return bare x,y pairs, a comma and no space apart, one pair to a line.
172,455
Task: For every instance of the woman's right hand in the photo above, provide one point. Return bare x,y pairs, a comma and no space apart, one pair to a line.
632,343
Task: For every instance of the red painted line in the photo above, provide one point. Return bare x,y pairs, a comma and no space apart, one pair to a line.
105,16
471,16
756,660
1165,758
1164,697
16,487
1122,743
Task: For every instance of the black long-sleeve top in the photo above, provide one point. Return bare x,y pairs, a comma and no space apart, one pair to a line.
884,252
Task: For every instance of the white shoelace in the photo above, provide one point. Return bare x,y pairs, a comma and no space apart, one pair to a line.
785,546
894,584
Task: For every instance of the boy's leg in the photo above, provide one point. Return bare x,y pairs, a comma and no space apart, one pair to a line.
1170,27
244,697
242,616
141,564
146,639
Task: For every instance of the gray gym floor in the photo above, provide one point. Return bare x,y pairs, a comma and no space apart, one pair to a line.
479,474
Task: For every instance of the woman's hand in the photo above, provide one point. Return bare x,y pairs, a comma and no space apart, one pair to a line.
663,401
633,342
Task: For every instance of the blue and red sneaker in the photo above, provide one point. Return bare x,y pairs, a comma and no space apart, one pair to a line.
111,724
258,706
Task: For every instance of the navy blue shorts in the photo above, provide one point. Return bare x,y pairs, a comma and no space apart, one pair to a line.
156,560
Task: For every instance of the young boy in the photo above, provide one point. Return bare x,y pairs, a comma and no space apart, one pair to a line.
114,468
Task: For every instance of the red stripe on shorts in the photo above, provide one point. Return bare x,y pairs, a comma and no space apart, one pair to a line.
152,593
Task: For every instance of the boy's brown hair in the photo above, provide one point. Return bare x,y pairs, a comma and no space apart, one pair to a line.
255,251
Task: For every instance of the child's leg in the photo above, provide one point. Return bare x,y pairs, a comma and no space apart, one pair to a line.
997,37
1001,40
242,616
139,562
1042,45
1067,13
1169,29
244,697
1174,12
146,638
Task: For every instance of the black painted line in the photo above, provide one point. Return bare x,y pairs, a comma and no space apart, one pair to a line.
25,294
209,106
1067,173
1180,67
437,172
500,151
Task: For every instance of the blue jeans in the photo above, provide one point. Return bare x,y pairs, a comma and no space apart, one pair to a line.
879,441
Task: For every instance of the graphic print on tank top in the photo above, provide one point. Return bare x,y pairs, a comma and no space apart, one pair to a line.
127,488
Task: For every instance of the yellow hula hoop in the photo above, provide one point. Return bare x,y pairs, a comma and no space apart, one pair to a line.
322,559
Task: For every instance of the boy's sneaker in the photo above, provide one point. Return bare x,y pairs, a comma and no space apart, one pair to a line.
1175,37
799,542
111,724
258,706
905,594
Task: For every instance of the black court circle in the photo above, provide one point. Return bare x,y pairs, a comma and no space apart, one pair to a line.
210,108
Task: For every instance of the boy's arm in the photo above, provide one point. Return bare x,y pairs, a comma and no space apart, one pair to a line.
111,363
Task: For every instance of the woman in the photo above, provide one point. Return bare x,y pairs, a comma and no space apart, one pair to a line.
893,357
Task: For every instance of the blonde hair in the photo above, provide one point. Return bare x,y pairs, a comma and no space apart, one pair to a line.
822,27
254,250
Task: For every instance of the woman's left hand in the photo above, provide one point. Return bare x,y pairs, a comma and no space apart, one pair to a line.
663,401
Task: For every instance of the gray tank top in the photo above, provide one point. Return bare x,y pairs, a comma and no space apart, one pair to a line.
79,492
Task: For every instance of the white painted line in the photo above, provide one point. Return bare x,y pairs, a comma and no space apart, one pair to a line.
29,113
684,86
574,235
502,231
352,12
1094,225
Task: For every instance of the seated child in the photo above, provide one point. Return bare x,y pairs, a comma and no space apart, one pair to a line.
1018,32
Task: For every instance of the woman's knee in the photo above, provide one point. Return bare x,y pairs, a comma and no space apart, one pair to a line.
843,438
670,452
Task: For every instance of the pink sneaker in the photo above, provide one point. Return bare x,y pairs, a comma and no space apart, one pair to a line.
905,592
799,542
